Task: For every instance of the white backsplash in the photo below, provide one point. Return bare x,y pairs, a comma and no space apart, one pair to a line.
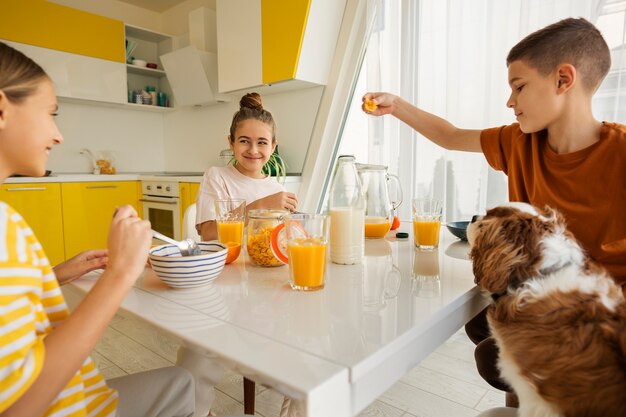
134,137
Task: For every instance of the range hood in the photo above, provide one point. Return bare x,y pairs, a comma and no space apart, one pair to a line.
192,74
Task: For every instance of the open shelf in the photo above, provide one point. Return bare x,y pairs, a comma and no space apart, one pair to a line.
135,69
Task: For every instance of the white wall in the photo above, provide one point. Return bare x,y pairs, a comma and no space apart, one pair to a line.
135,137
194,136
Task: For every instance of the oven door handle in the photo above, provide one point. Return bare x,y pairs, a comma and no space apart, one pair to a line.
158,202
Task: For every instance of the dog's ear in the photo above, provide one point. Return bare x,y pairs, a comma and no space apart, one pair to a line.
496,268
505,252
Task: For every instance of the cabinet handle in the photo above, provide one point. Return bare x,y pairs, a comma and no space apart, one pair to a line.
102,186
27,189
159,202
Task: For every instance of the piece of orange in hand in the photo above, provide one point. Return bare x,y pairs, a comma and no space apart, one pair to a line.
369,105
234,249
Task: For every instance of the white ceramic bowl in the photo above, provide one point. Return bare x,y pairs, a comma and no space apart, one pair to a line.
139,62
188,271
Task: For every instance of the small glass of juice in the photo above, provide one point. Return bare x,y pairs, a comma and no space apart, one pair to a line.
230,216
426,222
307,240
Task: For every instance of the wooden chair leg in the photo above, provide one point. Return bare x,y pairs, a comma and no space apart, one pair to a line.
249,392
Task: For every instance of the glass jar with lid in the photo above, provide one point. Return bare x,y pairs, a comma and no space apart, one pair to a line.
261,223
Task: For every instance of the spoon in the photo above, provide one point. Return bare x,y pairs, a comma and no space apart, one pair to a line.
187,247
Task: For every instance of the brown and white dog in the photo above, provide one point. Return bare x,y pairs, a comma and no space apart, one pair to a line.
559,321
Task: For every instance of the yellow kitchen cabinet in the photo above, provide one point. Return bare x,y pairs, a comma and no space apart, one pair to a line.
40,205
282,40
53,26
88,208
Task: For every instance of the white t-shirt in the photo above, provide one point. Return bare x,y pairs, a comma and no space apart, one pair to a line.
227,182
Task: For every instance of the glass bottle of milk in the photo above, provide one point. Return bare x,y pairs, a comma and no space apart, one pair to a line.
347,214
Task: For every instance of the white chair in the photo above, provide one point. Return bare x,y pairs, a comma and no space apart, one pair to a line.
189,231
189,224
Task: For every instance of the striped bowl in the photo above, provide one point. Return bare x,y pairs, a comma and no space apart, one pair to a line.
188,271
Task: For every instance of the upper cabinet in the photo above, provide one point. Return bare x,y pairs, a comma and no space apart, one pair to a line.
287,44
83,53
50,25
78,76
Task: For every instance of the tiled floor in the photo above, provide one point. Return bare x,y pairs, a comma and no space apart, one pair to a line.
445,384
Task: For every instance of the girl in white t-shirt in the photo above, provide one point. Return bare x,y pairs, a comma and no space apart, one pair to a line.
252,138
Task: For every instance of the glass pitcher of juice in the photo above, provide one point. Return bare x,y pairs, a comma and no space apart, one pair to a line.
379,206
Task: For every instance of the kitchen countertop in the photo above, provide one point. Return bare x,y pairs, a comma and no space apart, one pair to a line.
178,177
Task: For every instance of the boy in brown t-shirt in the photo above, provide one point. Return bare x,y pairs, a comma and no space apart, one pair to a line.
556,154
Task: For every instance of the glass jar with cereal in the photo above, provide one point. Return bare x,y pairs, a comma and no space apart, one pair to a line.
261,223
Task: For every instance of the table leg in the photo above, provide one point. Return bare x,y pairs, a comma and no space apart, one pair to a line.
248,396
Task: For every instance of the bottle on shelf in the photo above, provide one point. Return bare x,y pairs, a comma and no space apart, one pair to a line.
153,94
347,214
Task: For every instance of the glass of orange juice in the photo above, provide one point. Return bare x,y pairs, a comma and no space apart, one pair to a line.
426,222
307,240
230,215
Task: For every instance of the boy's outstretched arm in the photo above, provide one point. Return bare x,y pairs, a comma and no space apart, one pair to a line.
438,130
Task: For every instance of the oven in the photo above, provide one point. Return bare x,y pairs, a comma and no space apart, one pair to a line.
161,205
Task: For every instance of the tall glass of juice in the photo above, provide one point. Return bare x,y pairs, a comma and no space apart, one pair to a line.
307,240
426,222
230,216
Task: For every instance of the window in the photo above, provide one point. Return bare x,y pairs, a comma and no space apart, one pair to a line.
448,58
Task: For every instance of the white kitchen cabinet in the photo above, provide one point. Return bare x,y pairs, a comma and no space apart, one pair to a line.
79,76
285,44
150,46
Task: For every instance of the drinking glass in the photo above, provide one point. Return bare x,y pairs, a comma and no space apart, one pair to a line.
230,215
307,240
426,222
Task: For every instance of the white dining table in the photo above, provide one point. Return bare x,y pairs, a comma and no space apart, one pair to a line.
333,351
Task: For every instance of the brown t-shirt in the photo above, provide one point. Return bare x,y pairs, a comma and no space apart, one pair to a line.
588,186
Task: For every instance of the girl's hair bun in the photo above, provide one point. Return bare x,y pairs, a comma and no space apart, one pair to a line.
251,101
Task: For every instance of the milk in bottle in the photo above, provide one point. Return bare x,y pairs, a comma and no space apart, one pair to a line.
347,214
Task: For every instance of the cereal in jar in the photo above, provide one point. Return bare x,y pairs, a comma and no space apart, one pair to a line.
261,223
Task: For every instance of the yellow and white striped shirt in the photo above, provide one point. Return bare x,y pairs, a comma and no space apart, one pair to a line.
31,305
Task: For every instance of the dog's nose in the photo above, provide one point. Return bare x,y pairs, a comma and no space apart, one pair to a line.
475,218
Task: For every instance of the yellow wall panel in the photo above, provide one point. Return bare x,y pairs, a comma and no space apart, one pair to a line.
283,25
50,25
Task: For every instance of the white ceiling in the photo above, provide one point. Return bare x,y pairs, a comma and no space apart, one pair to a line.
158,6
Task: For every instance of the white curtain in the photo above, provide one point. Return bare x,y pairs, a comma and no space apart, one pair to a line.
448,58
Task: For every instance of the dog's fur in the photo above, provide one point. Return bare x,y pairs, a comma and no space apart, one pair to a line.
559,321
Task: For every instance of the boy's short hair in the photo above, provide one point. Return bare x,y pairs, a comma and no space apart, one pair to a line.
573,41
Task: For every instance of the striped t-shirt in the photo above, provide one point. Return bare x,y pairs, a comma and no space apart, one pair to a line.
31,305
